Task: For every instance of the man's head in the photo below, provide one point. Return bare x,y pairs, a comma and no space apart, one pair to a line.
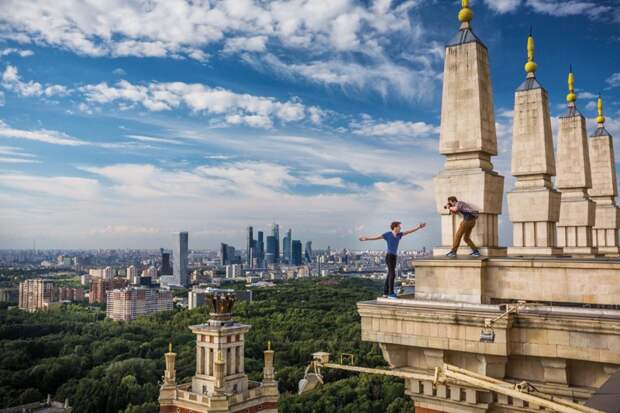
452,200
395,226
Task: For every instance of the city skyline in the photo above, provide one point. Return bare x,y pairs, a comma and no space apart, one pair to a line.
322,115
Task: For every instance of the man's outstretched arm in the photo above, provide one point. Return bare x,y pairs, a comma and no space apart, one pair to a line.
412,230
378,237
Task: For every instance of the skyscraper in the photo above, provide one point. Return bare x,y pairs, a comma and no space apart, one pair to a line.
272,245
260,250
223,254
275,233
180,258
251,253
286,247
166,268
296,253
308,255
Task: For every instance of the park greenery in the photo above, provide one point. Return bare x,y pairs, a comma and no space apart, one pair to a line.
99,365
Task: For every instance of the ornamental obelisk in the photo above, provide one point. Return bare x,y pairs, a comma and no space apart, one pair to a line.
604,188
574,228
533,205
468,140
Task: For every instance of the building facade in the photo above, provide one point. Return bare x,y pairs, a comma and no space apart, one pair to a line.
99,288
40,294
548,323
126,304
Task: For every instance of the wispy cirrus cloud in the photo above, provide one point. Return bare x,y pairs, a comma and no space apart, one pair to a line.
234,108
614,80
382,76
40,135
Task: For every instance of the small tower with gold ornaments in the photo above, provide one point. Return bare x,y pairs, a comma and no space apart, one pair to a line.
468,141
574,229
220,384
604,188
533,205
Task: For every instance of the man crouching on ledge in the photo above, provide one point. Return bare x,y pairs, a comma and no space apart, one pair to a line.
392,238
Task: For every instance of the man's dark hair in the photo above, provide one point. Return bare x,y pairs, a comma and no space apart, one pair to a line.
394,224
452,199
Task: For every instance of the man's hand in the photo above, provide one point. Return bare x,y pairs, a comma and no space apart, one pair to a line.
363,239
421,225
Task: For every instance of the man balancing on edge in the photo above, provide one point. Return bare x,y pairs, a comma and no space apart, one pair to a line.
392,238
470,216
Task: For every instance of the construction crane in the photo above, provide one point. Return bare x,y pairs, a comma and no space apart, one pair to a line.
445,374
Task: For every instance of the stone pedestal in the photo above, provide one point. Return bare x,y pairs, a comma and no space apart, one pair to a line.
468,140
574,229
533,204
604,191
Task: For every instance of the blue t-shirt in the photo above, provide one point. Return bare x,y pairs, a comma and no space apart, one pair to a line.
392,241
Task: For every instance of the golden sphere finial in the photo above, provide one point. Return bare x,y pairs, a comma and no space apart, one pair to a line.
530,66
600,118
571,97
465,14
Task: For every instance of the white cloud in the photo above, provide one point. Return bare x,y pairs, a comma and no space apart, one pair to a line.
119,72
153,139
2,99
381,76
399,128
183,27
235,108
19,52
563,8
41,135
503,6
11,80
249,44
4,159
320,180
614,80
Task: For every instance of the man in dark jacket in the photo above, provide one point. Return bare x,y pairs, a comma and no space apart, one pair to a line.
470,216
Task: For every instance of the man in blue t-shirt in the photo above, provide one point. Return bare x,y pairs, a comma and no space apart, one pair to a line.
392,238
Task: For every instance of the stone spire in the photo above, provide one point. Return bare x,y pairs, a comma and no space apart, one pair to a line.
170,373
533,205
268,370
468,140
604,188
574,229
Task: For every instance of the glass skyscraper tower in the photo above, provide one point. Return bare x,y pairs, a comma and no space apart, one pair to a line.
179,269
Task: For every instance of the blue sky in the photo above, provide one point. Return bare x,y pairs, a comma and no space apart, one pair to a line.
124,121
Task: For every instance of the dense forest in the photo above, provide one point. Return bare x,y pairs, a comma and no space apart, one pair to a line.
103,366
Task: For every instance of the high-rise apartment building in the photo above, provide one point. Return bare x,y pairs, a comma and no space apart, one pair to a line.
126,304
296,253
40,294
181,249
108,273
131,272
99,288
36,294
